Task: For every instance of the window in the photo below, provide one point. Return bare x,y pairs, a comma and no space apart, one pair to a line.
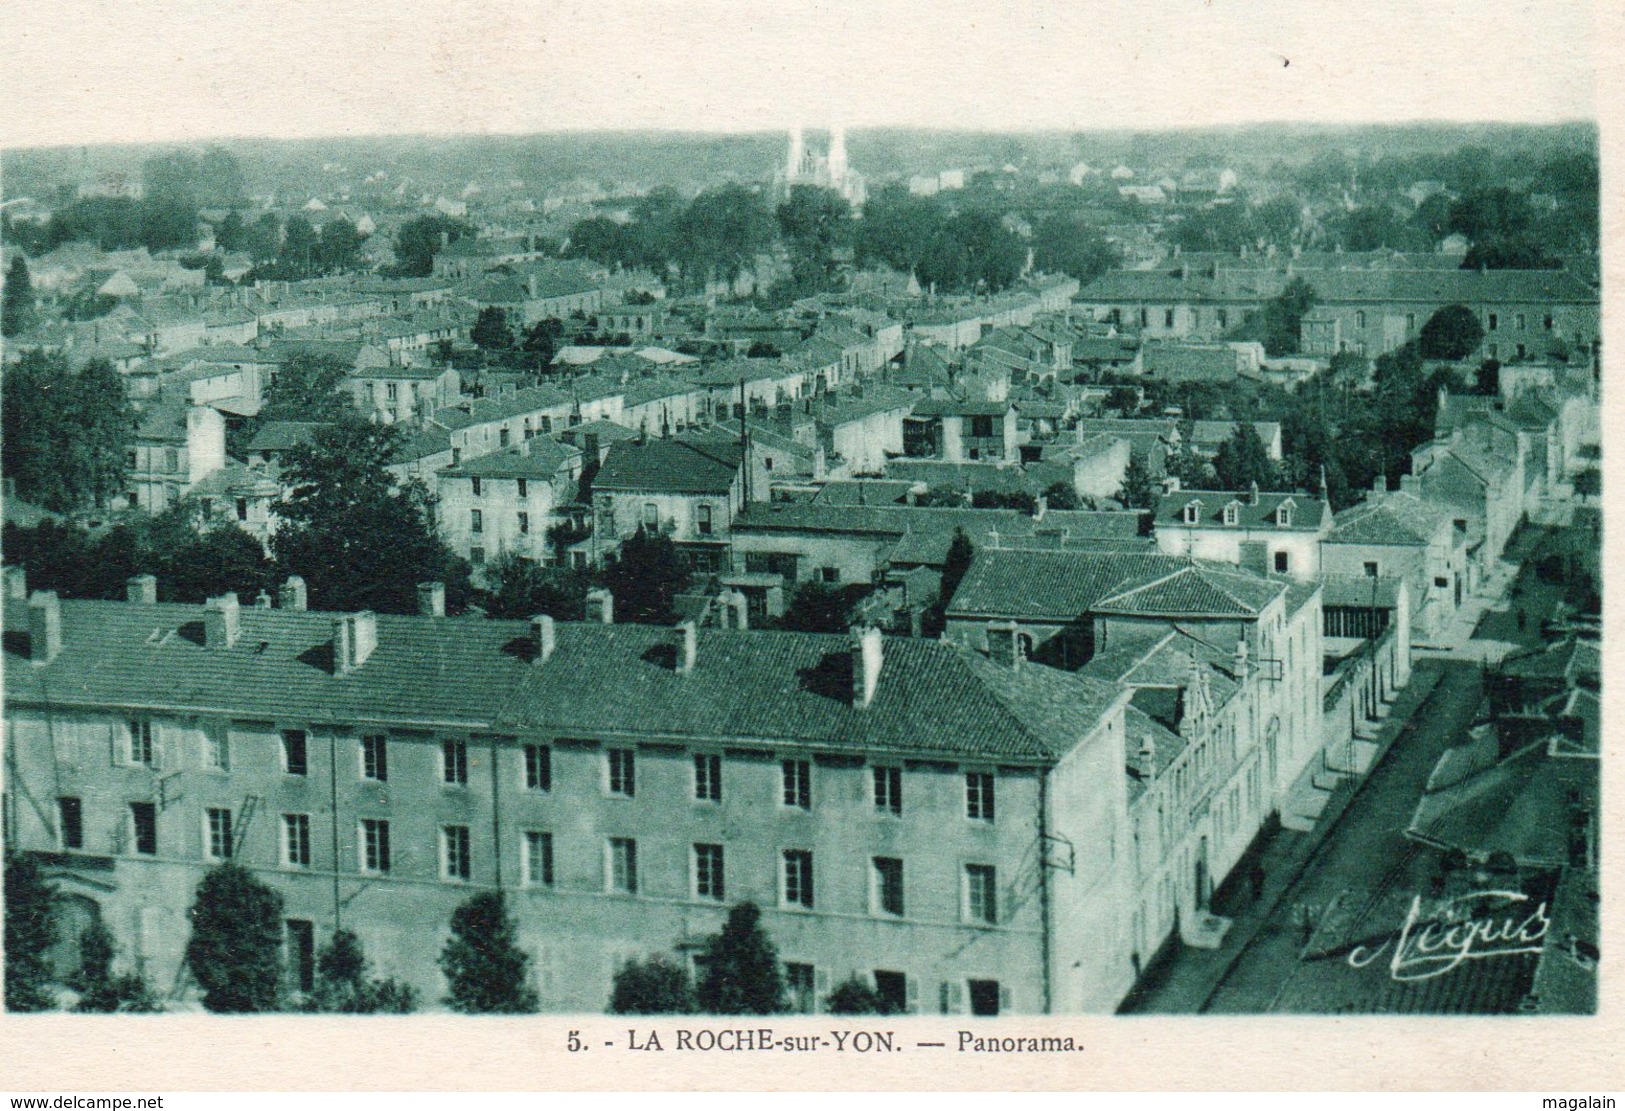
454,762
392,391
984,997
538,768
703,520
144,827
537,858
524,523
296,840
171,460
1519,322
476,521
798,784
892,987
375,757
294,755
708,872
502,438
216,749
623,773
1495,322
798,878
1144,317
830,574
138,746
242,509
1547,322
651,517
1232,513
1410,323
979,796
1371,568
888,790
1440,582
981,428
801,981
1224,318
302,954
1193,512
70,819
454,853
707,777
217,833
374,845
886,886
476,485
1283,514
981,894
1359,319
623,865
524,485
1282,561
1167,318
476,556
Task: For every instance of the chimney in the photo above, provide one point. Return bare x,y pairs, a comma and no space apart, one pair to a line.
431,599
1145,760
601,605
530,285
866,661
1240,667
542,627
44,626
1379,486
291,595
262,601
222,621
1252,494
687,646
142,590
355,635
1004,644
735,603
1040,507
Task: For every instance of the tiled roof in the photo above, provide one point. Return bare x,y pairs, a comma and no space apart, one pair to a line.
1308,513
1048,584
931,698
944,407
280,435
539,457
677,466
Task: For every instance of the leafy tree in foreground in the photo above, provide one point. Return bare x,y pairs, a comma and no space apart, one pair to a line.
815,608
236,941
343,986
524,588
306,389
1139,488
29,933
854,997
1243,460
742,975
17,311
491,331
656,986
484,966
101,990
1451,333
646,577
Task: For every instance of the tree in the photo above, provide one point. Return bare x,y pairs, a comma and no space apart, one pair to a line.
1282,317
29,901
1065,244
542,340
742,975
815,608
720,233
656,986
101,990
234,951
1062,495
339,247
646,577
896,227
1243,460
1452,333
65,433
359,541
960,554
525,588
307,389
855,997
482,961
17,310
343,986
419,240
1139,489
814,223
1193,472
491,331
1487,378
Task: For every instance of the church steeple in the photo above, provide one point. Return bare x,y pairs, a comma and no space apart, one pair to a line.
837,153
797,154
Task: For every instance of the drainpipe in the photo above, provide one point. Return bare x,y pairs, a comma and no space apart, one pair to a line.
333,795
1043,887
496,814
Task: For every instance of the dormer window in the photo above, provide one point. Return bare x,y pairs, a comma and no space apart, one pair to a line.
1283,514
1232,513
1193,512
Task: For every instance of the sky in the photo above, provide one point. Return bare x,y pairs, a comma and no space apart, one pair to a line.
96,71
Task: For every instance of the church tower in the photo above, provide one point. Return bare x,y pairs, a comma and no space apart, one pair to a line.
837,154
797,155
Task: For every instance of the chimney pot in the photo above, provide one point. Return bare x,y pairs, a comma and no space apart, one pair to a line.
542,627
601,605
687,646
867,657
262,600
1241,667
16,582
222,621
432,599
355,635
292,594
740,607
44,626
1004,644
142,590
